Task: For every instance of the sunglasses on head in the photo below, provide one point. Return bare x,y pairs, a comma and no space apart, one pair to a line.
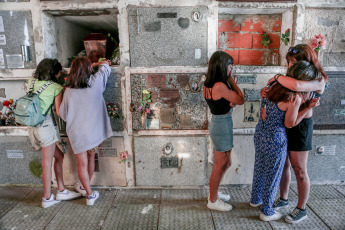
293,50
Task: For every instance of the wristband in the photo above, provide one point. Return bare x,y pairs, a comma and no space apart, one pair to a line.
277,76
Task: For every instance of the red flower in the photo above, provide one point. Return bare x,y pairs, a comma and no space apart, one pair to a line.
261,32
6,103
288,30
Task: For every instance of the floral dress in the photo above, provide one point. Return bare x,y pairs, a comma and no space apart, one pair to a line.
270,142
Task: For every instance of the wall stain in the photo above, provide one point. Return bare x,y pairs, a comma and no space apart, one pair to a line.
35,167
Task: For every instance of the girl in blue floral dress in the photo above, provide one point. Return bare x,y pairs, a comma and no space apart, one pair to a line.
279,110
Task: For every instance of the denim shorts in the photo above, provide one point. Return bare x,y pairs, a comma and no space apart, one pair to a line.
44,134
221,132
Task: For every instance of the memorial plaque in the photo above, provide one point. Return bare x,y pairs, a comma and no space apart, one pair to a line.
185,121
251,111
339,112
331,112
245,79
169,93
183,80
15,61
167,116
194,98
327,150
252,95
152,26
15,154
107,152
156,81
2,92
167,15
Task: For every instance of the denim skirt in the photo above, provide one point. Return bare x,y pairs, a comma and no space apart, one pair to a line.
221,132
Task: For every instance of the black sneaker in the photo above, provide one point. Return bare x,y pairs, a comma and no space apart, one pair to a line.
296,216
280,203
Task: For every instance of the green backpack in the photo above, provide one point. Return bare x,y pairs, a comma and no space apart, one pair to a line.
28,110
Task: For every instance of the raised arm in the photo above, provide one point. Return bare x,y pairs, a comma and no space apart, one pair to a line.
293,116
299,86
221,91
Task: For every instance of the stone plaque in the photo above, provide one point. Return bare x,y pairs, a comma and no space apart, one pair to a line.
2,92
107,152
169,162
15,154
185,121
252,95
327,150
156,81
246,79
194,98
167,15
183,80
167,117
339,112
152,26
251,111
169,93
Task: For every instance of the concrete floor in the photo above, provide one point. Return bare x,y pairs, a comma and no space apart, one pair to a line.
163,209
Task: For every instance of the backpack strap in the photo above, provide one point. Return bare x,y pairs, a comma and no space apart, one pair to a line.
43,87
32,85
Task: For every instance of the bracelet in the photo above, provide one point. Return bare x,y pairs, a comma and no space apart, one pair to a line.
277,76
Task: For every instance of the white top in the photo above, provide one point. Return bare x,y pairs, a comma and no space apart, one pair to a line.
85,113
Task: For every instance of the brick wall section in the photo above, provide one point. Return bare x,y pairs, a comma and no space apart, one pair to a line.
240,36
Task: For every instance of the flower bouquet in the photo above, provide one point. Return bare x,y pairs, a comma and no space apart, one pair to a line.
318,42
144,107
113,110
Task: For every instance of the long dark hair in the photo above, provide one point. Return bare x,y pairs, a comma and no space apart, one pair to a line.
304,52
47,70
217,68
302,70
80,73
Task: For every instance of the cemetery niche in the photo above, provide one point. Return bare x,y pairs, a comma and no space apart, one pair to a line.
168,101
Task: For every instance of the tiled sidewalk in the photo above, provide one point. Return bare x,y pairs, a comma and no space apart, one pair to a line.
163,209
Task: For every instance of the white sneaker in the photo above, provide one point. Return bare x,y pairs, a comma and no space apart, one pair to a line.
275,216
90,199
219,205
67,195
79,188
254,205
223,196
51,201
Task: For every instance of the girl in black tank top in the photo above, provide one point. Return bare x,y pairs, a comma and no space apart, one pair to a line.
218,94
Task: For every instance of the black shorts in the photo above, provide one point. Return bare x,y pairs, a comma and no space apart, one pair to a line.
300,137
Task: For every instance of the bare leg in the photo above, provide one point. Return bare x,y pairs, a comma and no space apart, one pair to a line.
221,164
286,179
83,172
91,163
299,164
47,159
58,155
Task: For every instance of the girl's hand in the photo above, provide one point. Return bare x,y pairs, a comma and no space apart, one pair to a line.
263,92
232,105
314,103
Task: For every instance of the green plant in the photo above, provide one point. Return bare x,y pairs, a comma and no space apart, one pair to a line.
265,41
285,37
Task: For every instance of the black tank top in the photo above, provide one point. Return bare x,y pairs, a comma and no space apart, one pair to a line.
218,107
